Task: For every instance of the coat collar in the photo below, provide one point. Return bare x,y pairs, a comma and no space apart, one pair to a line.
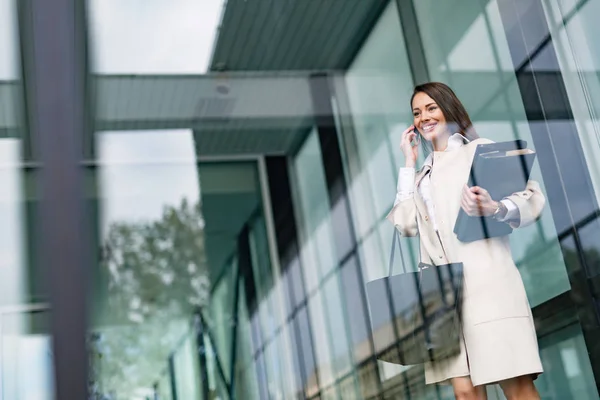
454,142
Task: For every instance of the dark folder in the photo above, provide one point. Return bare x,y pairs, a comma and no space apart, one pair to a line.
502,169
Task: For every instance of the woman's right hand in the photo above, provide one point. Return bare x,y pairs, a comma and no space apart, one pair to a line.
410,152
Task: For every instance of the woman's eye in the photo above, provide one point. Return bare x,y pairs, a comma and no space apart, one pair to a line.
432,108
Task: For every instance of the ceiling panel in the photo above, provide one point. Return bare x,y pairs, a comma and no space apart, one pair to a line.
292,34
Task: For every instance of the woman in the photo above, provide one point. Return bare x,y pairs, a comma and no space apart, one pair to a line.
499,340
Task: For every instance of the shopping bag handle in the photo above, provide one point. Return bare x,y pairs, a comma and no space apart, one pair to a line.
396,238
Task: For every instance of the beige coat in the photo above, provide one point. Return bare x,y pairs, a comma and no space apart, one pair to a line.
500,341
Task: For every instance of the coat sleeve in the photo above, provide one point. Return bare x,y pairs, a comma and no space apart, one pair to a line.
530,203
404,217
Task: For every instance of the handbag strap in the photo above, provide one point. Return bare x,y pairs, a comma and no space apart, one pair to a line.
396,238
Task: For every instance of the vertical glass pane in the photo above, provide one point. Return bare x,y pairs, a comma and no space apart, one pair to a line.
19,285
379,85
321,340
318,250
568,373
368,380
154,272
164,388
274,370
246,379
26,353
307,350
488,88
359,333
215,182
187,372
579,64
337,325
222,317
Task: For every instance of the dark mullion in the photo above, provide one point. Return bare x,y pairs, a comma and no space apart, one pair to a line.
172,378
288,246
201,348
244,262
53,50
413,41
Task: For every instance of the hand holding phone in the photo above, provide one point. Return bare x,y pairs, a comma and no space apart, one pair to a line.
409,144
416,139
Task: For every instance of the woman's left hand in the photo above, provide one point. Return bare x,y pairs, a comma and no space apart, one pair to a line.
477,202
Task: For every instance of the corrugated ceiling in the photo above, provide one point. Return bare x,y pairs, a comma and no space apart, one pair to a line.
292,34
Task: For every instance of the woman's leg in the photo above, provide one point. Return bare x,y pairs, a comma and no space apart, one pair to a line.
464,389
520,388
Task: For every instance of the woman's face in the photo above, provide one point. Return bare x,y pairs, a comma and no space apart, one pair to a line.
428,117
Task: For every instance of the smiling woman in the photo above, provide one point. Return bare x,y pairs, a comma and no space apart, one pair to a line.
274,120
432,118
499,343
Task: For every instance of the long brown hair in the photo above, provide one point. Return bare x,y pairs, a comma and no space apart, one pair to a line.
451,107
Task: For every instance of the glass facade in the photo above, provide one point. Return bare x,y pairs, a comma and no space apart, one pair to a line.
195,192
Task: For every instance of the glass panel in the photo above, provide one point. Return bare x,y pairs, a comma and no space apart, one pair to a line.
307,352
379,85
318,250
321,339
492,98
579,64
222,317
347,388
246,379
359,333
17,194
274,370
164,388
26,353
165,261
336,321
187,371
243,160
568,371
368,380
155,269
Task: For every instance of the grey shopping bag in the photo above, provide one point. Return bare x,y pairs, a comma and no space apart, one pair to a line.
415,316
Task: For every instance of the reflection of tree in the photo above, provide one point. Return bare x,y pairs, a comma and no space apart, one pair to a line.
157,275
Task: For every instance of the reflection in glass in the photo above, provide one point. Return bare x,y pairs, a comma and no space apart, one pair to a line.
189,298
26,353
187,372
568,374
154,265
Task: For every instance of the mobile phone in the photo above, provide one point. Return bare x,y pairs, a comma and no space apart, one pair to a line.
417,139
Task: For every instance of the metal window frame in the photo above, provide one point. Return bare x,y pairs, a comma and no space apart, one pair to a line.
54,60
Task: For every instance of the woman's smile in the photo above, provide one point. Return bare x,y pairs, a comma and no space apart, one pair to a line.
429,118
428,127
